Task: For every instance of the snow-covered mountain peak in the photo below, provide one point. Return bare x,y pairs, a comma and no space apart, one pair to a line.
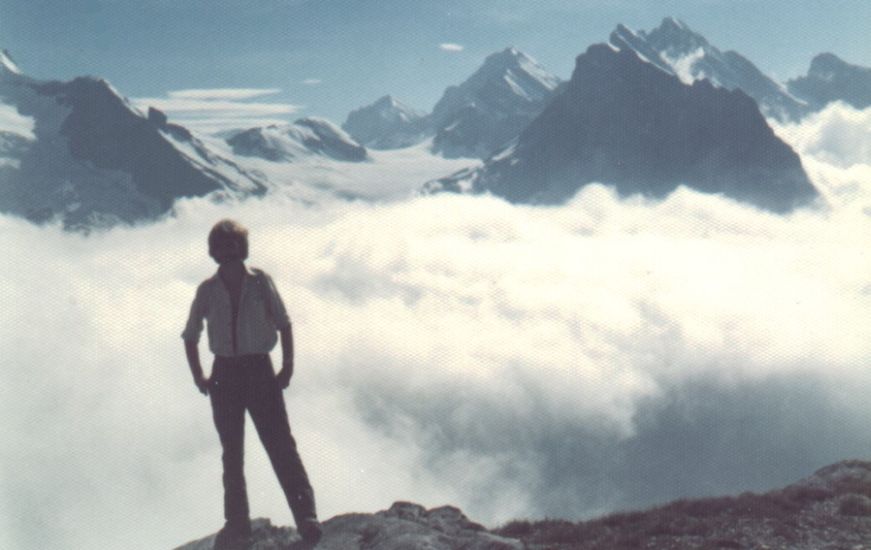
492,106
390,107
387,124
678,50
519,67
674,38
304,138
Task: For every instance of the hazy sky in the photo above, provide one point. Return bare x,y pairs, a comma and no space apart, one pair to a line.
331,56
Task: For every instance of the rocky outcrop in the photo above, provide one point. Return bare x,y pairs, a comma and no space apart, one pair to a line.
403,526
830,509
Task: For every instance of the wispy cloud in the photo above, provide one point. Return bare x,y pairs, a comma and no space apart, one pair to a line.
223,93
216,110
451,47
312,81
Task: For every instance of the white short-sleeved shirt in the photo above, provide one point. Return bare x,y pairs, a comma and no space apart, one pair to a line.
261,313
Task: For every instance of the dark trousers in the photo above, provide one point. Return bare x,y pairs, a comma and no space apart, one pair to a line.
248,383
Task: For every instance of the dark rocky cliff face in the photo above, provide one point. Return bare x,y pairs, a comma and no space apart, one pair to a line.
677,49
832,79
103,130
94,160
625,122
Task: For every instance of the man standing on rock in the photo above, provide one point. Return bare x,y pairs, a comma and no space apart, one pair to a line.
243,311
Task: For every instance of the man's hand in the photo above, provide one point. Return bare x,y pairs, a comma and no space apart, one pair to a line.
284,375
202,384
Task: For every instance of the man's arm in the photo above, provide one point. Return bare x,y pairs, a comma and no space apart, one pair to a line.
286,371
191,337
192,352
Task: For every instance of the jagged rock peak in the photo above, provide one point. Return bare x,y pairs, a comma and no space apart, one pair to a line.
823,65
390,102
624,122
832,79
674,33
492,106
677,49
514,62
387,124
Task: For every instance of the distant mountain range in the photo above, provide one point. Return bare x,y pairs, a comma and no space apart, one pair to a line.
645,112
471,119
648,112
303,138
79,152
490,108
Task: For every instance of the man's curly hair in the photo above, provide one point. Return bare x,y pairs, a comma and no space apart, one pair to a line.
228,240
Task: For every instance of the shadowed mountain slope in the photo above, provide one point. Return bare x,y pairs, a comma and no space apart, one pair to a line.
623,121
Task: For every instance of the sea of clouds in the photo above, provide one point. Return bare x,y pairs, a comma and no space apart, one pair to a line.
514,361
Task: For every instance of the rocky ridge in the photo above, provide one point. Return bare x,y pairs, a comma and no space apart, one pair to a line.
403,526
304,138
676,49
828,510
471,119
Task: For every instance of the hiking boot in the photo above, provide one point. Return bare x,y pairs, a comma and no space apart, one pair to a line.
233,536
302,505
310,531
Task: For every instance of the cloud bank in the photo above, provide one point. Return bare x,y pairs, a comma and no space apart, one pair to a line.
515,361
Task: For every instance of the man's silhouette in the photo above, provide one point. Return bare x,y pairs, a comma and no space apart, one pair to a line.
243,311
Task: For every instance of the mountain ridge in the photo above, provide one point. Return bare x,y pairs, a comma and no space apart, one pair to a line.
675,48
622,121
89,158
829,509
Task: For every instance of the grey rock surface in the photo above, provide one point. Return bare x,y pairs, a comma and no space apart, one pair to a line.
404,526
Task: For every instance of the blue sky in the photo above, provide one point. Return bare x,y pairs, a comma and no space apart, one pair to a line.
327,57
